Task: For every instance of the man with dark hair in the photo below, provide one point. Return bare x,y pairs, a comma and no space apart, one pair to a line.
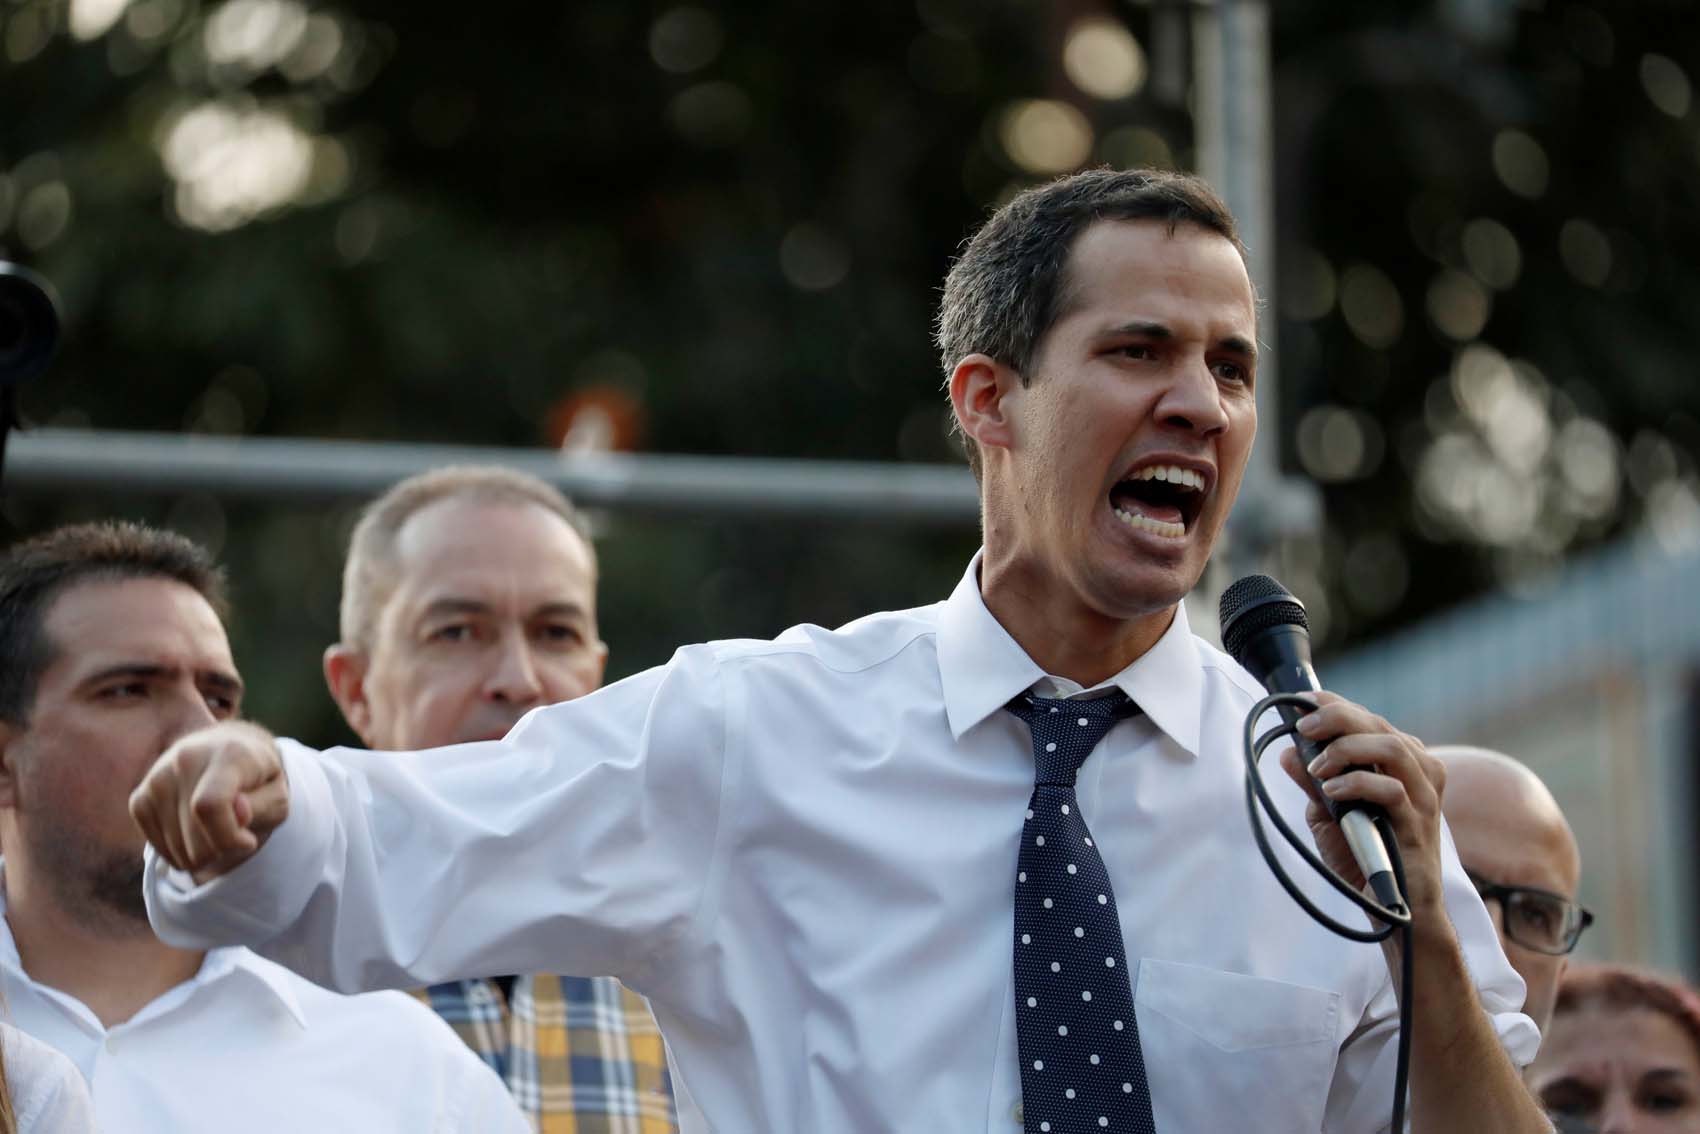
112,647
980,865
1012,282
469,599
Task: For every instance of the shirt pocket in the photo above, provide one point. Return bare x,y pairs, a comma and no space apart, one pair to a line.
1226,1051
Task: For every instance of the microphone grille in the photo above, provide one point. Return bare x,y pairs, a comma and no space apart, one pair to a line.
1256,603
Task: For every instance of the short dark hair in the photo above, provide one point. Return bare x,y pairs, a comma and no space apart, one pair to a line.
1009,284
35,572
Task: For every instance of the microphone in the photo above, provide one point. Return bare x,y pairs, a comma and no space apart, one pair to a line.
29,324
29,332
1264,628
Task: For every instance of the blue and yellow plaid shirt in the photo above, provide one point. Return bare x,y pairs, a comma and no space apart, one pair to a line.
581,1055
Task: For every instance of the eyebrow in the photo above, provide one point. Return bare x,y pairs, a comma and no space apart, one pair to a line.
1665,1074
146,671
439,607
1236,344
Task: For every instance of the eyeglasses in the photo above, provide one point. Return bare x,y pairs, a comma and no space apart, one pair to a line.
1536,919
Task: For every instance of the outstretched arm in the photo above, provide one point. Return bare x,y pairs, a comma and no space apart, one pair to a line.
582,842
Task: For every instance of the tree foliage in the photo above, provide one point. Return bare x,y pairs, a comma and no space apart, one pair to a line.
435,221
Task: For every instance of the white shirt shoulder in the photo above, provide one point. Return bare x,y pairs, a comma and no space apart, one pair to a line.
856,646
419,1049
48,1092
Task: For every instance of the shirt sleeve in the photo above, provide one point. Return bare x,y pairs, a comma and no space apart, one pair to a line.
583,842
1361,1098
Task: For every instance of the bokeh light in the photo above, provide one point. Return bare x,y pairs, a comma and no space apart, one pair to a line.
712,114
1045,136
1308,287
1521,163
1666,84
254,34
234,160
1586,252
1372,307
1103,59
1492,253
90,19
1136,147
1336,444
685,39
812,258
1458,305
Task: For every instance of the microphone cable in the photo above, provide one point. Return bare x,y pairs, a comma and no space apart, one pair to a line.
1395,920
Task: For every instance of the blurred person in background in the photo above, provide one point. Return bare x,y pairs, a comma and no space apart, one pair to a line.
1622,1055
112,645
1518,849
469,599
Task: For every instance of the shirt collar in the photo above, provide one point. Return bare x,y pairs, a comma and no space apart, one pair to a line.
216,965
981,667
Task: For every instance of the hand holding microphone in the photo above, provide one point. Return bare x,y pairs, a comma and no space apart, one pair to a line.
1350,762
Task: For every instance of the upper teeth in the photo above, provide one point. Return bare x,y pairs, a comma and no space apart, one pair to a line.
1174,474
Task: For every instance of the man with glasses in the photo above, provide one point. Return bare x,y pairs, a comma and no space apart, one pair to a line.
1518,849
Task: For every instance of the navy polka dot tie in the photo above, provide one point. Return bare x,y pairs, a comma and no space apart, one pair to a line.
1081,1067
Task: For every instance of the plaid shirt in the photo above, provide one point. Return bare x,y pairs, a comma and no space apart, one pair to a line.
581,1056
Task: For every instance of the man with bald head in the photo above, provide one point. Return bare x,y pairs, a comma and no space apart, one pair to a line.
1519,851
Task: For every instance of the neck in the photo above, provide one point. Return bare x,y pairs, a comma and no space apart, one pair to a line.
115,968
1062,635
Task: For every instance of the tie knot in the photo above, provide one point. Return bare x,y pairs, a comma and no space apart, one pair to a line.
1065,732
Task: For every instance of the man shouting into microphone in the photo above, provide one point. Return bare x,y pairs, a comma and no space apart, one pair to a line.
976,866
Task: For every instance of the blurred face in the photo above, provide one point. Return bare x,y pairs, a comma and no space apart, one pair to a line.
139,663
1618,1071
493,613
1503,838
1127,448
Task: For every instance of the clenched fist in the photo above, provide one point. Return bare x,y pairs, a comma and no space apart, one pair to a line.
212,798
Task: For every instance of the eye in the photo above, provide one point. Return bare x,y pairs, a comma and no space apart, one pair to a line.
453,632
221,705
1569,1100
1138,351
1665,1101
1537,915
560,633
1232,372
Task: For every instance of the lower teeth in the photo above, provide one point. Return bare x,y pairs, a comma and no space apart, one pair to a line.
1158,527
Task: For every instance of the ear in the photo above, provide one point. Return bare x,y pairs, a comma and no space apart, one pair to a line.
10,734
600,652
979,390
345,674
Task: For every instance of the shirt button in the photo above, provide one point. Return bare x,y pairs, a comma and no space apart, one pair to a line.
1018,1114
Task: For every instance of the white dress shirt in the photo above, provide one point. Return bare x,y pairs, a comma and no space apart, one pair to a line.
248,1045
804,851
48,1094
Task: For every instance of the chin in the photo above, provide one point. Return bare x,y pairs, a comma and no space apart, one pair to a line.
1142,589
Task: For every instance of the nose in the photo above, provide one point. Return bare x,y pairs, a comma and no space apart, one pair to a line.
190,713
514,678
1193,400
1617,1114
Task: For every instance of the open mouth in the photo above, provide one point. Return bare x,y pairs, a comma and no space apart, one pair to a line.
1164,500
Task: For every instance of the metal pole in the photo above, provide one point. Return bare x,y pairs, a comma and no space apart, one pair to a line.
1232,93
61,460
